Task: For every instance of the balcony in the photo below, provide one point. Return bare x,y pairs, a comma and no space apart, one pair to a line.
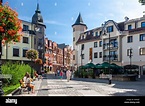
113,45
112,58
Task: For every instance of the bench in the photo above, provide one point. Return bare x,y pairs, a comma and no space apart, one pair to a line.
23,87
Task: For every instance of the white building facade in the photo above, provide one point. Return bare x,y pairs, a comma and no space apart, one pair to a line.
127,44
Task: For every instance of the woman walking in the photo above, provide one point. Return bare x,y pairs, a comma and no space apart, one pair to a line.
68,74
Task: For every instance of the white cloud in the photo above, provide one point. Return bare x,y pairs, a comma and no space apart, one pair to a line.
22,4
25,18
55,4
55,33
129,8
54,22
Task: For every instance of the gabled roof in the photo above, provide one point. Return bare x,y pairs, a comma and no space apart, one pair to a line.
89,37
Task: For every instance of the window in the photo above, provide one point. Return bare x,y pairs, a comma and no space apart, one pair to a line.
95,44
129,52
142,51
16,52
40,41
25,27
100,43
100,33
110,29
25,39
83,56
83,37
113,43
95,55
34,40
73,29
143,24
100,54
40,30
24,52
113,55
73,57
142,37
96,34
82,47
73,38
129,39
129,27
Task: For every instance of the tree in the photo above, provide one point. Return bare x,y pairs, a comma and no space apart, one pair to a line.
32,54
142,2
10,25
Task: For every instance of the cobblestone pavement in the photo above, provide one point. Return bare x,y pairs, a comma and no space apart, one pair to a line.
53,86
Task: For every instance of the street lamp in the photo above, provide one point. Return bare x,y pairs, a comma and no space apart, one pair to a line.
130,56
108,30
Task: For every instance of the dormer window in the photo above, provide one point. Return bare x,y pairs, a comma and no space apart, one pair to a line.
96,34
100,33
83,37
129,27
143,24
110,28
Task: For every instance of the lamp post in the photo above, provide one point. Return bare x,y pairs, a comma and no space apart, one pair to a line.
130,56
1,91
81,56
108,30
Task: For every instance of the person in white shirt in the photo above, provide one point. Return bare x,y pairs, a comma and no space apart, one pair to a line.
25,77
68,74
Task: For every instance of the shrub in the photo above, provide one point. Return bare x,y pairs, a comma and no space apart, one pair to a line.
17,70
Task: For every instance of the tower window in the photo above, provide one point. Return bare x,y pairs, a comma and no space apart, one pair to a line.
73,29
73,38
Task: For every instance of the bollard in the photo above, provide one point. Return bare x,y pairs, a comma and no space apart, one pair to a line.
109,81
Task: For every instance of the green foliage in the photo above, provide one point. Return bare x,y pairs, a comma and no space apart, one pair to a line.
17,70
32,54
8,89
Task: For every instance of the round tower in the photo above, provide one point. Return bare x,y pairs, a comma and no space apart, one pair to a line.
78,28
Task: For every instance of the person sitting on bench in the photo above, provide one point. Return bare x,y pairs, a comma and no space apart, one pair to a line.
29,84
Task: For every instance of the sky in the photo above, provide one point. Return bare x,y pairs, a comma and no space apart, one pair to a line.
60,15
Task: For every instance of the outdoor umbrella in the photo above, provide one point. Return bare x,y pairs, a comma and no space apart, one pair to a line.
104,65
113,65
82,67
90,65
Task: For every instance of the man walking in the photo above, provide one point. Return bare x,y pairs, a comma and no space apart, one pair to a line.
68,74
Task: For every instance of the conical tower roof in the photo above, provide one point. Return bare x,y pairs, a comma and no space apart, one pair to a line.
37,17
79,21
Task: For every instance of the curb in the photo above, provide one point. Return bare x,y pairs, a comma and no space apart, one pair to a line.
14,92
